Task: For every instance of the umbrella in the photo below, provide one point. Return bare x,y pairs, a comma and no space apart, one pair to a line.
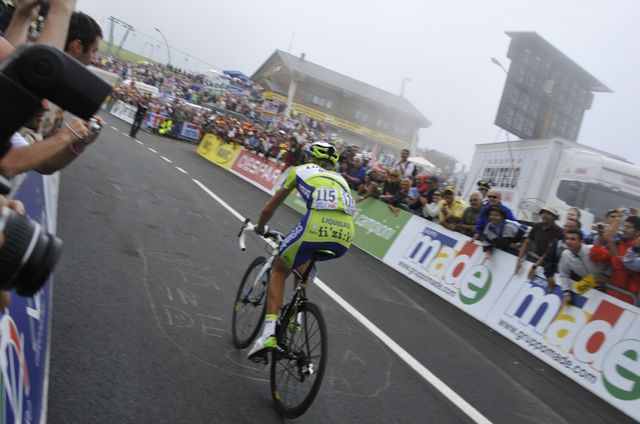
420,161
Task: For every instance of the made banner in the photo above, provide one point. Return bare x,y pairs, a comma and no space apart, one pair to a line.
217,151
259,171
24,331
451,265
595,340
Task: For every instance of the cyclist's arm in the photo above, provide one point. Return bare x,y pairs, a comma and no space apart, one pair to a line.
270,208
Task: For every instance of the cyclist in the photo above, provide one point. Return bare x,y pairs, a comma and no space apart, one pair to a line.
327,226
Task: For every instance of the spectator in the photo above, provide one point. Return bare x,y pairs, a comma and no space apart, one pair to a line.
431,211
356,172
399,199
483,188
501,233
82,43
549,261
613,217
470,216
575,263
493,200
141,111
433,186
574,213
370,187
392,184
407,169
631,259
451,209
607,250
542,234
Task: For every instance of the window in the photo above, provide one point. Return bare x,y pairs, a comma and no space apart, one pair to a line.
593,197
317,100
361,116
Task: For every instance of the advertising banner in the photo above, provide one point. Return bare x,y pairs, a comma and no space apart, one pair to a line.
451,265
376,227
257,170
595,341
190,131
217,151
124,111
153,120
24,332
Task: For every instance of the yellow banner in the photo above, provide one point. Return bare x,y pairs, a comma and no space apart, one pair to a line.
340,123
217,151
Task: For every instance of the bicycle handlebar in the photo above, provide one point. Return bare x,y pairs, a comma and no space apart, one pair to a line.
269,234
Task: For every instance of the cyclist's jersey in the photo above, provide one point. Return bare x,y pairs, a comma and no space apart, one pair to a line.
328,224
321,189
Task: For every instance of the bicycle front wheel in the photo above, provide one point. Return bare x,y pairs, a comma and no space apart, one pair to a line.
249,306
298,367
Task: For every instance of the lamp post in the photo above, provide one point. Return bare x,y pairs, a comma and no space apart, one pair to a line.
404,82
499,65
167,43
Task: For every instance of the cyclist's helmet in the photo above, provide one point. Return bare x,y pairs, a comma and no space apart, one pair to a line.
323,151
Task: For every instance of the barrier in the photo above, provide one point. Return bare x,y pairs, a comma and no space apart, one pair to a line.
190,131
25,326
595,341
261,172
124,111
217,151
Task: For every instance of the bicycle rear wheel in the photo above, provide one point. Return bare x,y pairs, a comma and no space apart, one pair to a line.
297,370
249,306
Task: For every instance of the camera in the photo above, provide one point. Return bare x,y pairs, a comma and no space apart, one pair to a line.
94,126
28,254
33,72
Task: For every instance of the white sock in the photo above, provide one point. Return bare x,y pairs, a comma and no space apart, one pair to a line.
269,326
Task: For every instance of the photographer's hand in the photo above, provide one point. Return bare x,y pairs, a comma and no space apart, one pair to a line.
26,11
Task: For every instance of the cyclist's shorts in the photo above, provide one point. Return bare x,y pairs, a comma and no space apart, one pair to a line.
317,230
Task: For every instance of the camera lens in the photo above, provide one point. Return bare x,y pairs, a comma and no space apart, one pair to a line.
28,255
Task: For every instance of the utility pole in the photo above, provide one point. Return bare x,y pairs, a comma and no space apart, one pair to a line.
128,27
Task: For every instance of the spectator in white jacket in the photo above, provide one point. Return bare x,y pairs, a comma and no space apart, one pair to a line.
575,263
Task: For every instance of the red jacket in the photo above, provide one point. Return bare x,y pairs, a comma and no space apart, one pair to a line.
620,276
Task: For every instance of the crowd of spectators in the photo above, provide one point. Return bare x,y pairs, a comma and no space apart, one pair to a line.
608,258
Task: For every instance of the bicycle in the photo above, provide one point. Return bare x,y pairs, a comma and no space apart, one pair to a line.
298,363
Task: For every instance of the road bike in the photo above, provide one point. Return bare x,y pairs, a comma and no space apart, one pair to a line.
298,363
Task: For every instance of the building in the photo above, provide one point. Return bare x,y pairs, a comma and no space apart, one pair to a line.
546,93
359,113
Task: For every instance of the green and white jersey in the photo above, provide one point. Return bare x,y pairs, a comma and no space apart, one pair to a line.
321,189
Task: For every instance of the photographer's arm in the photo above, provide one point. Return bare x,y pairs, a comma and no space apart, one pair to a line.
26,11
57,24
50,155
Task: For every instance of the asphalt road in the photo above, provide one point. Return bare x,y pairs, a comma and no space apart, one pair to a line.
142,307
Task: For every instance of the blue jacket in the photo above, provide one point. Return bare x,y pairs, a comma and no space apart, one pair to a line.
483,218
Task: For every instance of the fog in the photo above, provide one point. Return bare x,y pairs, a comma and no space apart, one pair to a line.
443,46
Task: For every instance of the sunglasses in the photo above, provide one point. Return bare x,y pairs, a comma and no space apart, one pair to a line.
492,197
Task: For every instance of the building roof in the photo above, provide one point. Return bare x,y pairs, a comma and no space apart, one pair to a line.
535,39
351,85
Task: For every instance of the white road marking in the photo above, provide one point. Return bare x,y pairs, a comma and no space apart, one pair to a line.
166,159
114,128
154,151
138,141
181,170
423,371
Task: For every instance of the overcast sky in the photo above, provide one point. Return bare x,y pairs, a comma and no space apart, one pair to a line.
443,46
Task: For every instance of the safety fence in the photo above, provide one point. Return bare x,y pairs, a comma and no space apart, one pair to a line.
25,326
595,341
157,123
